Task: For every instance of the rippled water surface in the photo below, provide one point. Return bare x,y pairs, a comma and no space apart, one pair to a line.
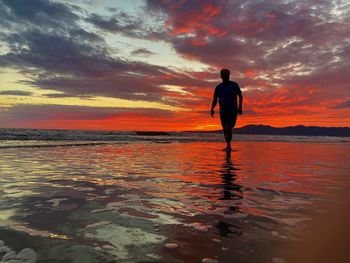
164,202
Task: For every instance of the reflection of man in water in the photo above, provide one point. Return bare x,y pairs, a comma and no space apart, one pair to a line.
231,191
227,93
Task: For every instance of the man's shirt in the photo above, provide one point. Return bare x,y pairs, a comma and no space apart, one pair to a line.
227,94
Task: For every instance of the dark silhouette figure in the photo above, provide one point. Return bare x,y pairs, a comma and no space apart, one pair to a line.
227,92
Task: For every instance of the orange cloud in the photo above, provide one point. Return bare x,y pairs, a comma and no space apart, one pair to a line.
198,23
250,73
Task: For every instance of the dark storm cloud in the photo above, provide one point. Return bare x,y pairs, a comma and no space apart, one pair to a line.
293,44
45,37
47,14
113,24
16,93
259,34
52,53
343,105
131,26
56,95
300,46
141,82
31,113
48,43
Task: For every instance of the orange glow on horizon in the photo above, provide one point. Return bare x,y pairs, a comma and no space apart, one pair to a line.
187,121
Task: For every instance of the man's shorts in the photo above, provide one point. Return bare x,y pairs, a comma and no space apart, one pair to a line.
228,118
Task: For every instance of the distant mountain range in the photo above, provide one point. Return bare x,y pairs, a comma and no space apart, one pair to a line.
300,130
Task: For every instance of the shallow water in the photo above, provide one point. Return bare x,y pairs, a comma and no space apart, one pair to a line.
126,202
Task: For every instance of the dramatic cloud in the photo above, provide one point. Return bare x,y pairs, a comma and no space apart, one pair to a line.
290,56
292,50
78,117
16,92
135,26
142,51
342,105
61,55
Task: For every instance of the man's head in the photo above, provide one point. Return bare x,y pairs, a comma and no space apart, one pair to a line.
225,74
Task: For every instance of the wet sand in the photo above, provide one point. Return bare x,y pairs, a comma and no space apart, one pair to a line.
166,202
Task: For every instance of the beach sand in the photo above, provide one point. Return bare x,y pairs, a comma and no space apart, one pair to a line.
166,202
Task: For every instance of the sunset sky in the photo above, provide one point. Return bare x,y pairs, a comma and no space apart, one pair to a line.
153,65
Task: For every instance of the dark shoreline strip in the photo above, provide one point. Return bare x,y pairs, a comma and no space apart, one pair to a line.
54,145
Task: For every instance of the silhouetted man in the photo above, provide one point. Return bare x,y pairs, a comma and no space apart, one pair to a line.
227,93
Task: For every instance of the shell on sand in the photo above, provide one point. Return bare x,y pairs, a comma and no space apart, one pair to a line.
171,245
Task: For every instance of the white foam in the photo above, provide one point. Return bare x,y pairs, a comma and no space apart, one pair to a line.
26,255
56,202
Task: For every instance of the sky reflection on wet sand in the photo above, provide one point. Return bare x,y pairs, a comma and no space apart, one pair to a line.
125,202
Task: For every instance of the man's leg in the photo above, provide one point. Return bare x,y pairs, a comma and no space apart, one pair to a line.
223,124
228,135
224,130
229,125
226,122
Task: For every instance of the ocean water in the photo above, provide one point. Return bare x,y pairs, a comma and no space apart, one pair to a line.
10,138
173,198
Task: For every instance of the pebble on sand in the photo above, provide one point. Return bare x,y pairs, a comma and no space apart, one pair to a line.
109,247
88,236
274,233
209,260
171,245
200,227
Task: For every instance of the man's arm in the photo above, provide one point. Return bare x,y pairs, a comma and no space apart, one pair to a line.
213,104
215,100
240,102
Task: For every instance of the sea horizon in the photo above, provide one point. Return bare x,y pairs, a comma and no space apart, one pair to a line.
193,130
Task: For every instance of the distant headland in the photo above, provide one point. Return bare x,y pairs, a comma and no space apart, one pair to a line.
299,130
